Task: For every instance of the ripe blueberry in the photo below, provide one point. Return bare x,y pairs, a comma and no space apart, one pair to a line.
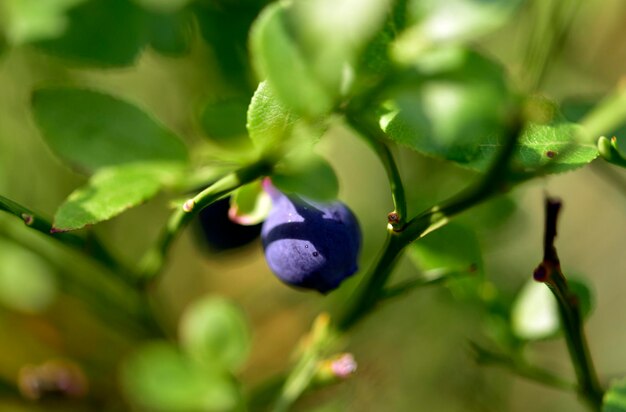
309,244
219,232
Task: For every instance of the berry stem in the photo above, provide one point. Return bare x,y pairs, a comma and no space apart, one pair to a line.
154,259
374,136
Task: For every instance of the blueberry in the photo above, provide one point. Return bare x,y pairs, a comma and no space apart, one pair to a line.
309,244
219,232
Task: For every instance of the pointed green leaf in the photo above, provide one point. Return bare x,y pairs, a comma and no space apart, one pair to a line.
91,130
159,378
214,332
111,191
438,22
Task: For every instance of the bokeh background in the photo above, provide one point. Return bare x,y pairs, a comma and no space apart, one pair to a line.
413,353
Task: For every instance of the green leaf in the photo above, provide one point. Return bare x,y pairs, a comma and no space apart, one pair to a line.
449,113
214,332
274,129
91,130
535,313
111,191
31,20
306,174
614,399
26,281
452,251
159,378
102,33
458,114
276,57
440,22
250,204
306,59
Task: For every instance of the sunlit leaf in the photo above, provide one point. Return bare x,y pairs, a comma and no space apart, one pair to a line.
214,332
305,49
111,191
535,313
91,130
31,20
438,22
458,113
158,377
274,128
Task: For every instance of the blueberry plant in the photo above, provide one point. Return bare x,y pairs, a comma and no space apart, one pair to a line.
426,80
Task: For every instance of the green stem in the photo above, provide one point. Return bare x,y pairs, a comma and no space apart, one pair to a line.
521,368
607,115
112,303
89,246
375,137
371,287
153,262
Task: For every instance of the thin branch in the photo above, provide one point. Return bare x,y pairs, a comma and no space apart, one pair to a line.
520,368
89,245
549,272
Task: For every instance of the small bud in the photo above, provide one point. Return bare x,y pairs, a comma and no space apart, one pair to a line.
540,274
28,219
344,366
338,367
189,205
393,218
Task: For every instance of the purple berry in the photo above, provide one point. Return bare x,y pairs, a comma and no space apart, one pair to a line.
309,244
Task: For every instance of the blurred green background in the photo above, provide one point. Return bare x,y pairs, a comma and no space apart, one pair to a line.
413,354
